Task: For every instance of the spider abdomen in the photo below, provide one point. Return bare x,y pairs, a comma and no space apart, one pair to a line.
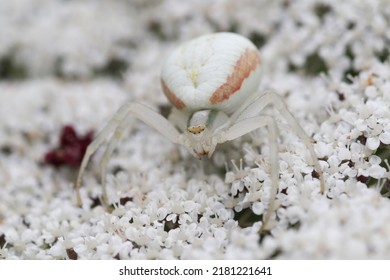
215,71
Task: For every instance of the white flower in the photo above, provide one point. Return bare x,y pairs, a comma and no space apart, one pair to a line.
258,208
385,137
373,143
176,208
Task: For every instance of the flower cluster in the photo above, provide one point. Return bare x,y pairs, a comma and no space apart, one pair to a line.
328,59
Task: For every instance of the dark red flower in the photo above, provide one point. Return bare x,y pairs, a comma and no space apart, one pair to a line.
71,148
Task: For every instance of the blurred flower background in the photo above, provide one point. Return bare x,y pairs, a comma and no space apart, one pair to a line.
67,65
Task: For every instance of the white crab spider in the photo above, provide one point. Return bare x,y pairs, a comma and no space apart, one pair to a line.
212,83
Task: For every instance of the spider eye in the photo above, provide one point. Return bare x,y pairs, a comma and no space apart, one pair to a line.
199,121
196,129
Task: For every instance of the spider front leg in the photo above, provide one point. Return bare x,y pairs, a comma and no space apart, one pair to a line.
246,119
121,127
257,103
113,131
248,125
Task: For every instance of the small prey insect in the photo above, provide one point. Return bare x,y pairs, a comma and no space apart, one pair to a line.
212,82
